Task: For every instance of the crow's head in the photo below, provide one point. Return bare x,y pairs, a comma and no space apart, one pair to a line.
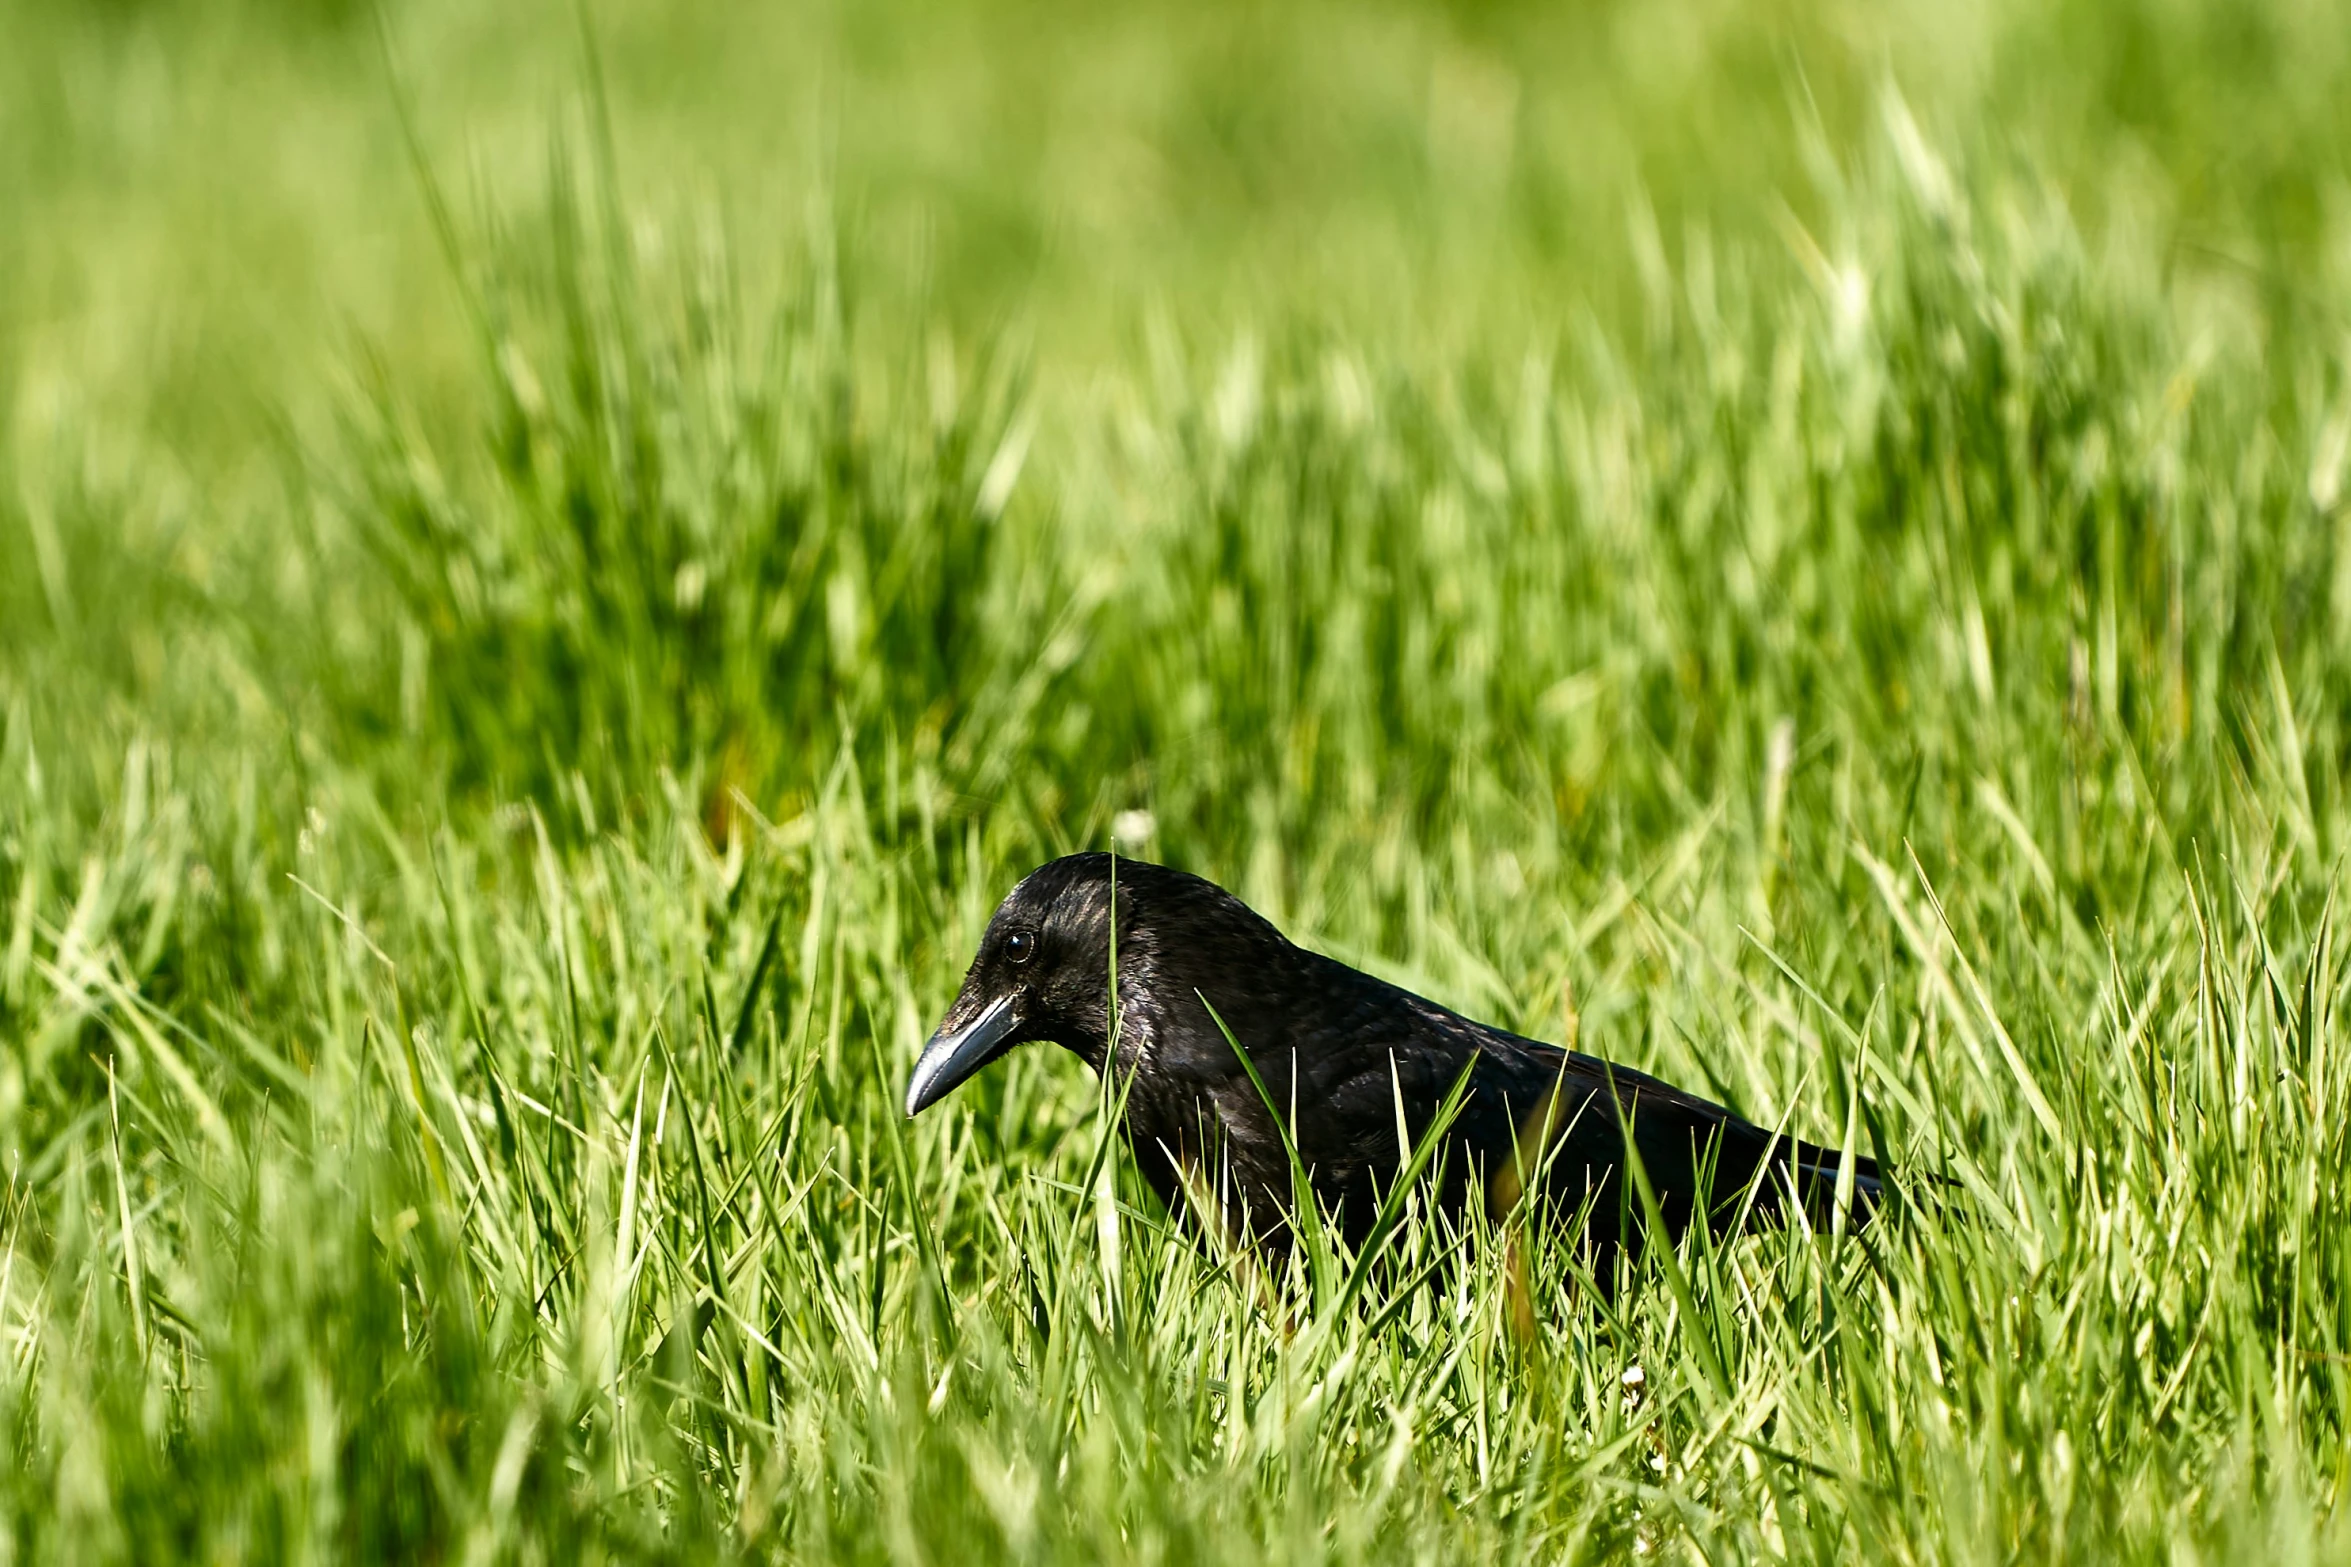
1043,971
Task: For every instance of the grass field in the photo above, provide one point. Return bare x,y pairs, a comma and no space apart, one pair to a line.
554,566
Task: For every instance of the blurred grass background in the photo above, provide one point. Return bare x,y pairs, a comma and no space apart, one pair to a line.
553,566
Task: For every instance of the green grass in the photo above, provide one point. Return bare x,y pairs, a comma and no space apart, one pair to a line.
543,599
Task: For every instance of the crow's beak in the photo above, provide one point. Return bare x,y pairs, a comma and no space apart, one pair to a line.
954,1053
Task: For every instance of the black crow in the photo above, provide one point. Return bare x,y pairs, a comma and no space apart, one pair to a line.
1344,1056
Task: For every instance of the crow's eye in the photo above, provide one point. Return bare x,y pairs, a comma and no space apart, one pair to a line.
1020,946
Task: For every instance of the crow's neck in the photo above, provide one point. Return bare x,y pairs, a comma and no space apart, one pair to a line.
1089,1043
1257,984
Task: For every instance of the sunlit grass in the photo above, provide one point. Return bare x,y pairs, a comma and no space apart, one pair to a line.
485,825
